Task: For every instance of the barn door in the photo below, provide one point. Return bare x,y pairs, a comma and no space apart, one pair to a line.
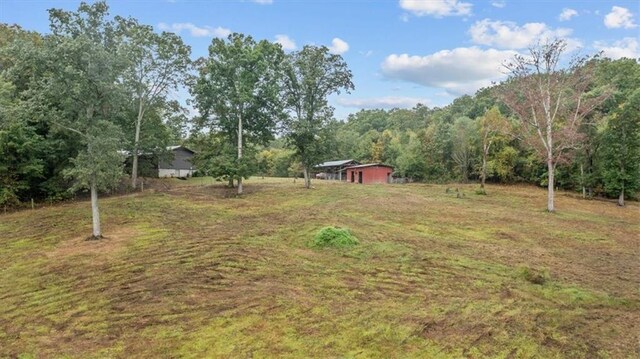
360,177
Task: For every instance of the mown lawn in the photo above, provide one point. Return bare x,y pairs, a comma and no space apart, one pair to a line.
188,270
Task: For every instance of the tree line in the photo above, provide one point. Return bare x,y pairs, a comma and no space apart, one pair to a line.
96,90
79,100
575,128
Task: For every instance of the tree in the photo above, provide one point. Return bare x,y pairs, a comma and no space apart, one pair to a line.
312,74
20,149
462,128
411,161
219,160
157,64
84,96
438,150
491,126
621,152
551,102
238,93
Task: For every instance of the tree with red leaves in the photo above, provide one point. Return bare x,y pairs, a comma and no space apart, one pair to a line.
551,102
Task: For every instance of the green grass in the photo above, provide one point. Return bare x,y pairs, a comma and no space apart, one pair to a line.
191,270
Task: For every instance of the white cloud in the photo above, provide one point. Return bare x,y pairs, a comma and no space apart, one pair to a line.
508,35
338,46
197,31
287,43
383,102
619,17
437,8
627,47
567,14
459,71
263,2
499,3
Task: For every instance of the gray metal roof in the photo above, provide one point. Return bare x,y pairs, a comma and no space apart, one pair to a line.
172,148
333,163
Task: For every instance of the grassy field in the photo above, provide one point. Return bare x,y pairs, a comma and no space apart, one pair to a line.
188,270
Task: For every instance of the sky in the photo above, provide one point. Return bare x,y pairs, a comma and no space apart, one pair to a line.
401,52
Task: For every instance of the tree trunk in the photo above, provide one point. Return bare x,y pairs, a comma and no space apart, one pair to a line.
239,151
550,185
621,198
307,177
584,188
136,145
483,175
231,183
95,212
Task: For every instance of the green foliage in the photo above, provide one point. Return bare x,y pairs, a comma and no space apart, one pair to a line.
156,64
238,96
410,162
20,150
275,162
438,151
621,153
311,75
219,159
503,164
101,162
334,237
239,81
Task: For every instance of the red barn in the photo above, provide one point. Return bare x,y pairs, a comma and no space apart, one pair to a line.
369,173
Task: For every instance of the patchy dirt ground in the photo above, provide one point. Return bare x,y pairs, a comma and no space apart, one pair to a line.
188,269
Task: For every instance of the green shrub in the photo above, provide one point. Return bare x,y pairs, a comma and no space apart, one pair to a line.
481,192
334,237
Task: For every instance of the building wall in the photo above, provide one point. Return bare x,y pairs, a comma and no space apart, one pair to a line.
373,174
170,172
179,166
181,160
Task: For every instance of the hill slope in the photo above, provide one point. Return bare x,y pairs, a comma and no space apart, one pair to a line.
191,271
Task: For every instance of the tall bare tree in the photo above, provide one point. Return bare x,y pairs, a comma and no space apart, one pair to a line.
551,101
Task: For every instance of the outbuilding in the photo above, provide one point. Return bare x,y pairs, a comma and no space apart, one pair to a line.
179,163
369,173
334,170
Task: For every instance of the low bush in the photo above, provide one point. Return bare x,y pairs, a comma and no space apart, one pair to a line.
334,237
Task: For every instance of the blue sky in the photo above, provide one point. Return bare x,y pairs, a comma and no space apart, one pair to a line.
401,52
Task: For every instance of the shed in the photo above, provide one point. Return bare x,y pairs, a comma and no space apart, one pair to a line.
334,170
369,173
180,165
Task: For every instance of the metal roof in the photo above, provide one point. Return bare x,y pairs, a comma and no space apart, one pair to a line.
333,163
371,165
171,148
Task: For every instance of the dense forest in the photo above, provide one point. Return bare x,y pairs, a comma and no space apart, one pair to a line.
449,144
76,102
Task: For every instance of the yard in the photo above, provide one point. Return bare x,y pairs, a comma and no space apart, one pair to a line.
188,270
